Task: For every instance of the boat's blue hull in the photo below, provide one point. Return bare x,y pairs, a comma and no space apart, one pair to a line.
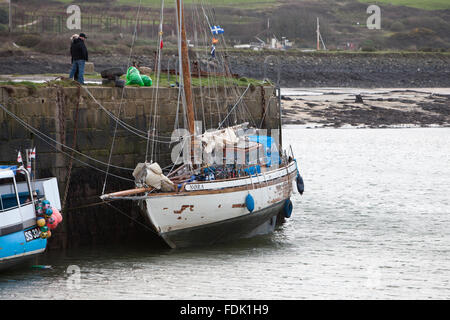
14,247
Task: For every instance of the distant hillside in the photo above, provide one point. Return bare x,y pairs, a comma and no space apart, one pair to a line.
406,25
421,4
153,3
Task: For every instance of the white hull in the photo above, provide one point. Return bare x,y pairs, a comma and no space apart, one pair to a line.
189,214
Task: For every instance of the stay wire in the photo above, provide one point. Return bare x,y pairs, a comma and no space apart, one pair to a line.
126,126
45,139
121,100
37,132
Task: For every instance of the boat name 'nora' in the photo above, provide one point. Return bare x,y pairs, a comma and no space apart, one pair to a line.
196,187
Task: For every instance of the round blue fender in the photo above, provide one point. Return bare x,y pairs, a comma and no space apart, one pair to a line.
288,208
250,202
300,184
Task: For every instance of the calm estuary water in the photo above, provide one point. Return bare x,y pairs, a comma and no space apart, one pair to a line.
373,223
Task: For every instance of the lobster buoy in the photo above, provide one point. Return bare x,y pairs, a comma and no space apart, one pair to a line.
52,223
54,219
46,204
39,210
48,213
40,222
300,184
57,215
250,202
288,208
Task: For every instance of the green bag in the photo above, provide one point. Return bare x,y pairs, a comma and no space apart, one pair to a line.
134,77
147,80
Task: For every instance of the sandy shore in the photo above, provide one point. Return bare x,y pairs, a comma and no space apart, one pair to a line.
338,107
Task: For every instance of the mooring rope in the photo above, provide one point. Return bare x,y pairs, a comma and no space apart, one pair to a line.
131,218
75,131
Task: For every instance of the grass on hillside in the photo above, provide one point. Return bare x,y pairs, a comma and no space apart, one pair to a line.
157,3
420,4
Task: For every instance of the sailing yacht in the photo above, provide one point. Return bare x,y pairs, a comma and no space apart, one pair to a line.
237,188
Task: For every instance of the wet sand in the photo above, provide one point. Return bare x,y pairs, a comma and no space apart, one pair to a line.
338,107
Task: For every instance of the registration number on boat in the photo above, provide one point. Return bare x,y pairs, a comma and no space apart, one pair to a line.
32,234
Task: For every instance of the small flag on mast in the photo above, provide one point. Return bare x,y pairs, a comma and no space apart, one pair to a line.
32,153
19,158
217,30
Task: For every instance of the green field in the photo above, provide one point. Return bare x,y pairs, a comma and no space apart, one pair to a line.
424,25
157,3
421,4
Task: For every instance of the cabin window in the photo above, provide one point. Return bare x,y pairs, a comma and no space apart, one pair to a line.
8,194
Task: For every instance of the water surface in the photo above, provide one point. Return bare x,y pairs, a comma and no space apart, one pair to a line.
373,223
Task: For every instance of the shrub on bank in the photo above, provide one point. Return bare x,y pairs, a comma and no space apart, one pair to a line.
28,40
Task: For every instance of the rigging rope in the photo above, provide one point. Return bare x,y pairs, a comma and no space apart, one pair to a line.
155,89
39,133
121,100
75,131
239,100
125,125
45,139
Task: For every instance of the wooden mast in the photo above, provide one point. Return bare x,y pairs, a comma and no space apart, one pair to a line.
186,76
186,69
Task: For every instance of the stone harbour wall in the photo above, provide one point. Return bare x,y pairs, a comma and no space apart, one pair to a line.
66,113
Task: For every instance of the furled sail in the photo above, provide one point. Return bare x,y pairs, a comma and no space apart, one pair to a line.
152,175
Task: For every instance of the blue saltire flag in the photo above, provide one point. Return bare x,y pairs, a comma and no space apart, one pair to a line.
217,30
213,51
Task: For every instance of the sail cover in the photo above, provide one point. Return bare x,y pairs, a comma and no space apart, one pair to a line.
219,140
152,175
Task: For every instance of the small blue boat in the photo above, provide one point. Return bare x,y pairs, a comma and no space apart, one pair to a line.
20,236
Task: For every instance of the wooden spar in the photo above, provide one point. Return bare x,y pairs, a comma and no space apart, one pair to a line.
175,171
186,71
126,193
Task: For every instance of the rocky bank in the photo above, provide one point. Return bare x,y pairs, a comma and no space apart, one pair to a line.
375,108
297,69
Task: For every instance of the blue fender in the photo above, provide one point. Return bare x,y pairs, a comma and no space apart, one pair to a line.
288,208
250,203
300,184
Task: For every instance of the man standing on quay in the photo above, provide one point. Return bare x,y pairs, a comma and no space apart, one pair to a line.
79,55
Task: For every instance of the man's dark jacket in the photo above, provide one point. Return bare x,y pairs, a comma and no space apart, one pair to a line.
78,50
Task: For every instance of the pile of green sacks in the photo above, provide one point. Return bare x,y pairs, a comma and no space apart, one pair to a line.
134,77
